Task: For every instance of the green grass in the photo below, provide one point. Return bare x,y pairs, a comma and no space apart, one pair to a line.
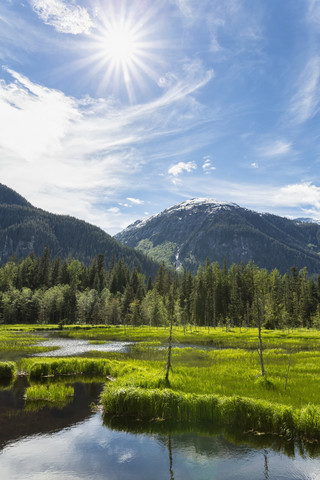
216,386
8,370
18,342
38,396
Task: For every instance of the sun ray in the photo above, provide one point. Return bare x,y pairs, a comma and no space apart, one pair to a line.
127,46
124,56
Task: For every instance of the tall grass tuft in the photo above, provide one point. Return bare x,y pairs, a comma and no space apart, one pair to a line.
8,370
38,396
188,408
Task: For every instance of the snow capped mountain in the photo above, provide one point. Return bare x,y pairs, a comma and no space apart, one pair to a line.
307,220
209,204
189,232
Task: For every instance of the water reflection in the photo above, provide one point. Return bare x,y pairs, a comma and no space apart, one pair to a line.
89,449
170,457
17,423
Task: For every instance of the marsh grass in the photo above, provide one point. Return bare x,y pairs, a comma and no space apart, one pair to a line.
218,385
8,371
224,387
38,396
186,408
39,368
20,342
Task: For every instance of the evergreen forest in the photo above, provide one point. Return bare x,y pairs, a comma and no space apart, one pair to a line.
38,289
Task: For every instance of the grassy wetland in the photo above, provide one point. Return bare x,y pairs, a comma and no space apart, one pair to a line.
215,381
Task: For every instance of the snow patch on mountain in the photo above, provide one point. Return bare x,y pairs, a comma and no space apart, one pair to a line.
307,220
211,206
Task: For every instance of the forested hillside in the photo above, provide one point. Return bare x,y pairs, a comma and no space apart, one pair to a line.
41,290
25,229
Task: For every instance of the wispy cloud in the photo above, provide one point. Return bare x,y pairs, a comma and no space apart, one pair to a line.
65,17
71,154
231,21
313,14
207,165
305,102
136,201
275,148
181,167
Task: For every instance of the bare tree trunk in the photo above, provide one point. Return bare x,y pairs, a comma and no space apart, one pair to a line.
169,354
261,348
285,385
259,315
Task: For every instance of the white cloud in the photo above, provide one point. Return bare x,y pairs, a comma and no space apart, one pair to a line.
180,167
33,119
207,165
73,156
254,165
299,194
113,210
273,149
136,201
305,102
64,16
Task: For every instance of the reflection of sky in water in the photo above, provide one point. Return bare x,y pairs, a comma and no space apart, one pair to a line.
89,450
68,346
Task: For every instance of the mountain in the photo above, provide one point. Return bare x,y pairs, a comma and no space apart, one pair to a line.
307,220
25,229
188,233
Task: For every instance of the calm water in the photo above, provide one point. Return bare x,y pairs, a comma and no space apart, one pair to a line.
89,450
74,443
69,346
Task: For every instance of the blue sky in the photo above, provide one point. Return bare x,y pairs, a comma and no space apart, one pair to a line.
113,110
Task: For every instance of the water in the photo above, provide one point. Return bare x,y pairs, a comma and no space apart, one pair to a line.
88,449
75,443
69,346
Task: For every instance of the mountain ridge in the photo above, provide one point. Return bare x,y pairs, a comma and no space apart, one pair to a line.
198,228
26,229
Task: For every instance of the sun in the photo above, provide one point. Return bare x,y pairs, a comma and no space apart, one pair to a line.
126,49
121,45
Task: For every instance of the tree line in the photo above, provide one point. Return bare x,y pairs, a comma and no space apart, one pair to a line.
44,290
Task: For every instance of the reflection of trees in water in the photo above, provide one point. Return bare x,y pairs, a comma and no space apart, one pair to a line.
170,457
266,467
211,441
